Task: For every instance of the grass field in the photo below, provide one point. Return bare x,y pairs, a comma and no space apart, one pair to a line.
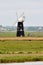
7,34
20,51
13,34
24,58
36,34
23,46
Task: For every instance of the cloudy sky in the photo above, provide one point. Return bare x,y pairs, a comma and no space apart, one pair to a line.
33,11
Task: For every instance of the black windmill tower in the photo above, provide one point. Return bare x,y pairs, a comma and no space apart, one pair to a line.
20,26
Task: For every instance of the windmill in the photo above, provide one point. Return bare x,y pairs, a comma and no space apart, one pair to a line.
20,27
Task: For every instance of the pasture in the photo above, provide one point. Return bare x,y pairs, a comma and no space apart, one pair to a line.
21,46
7,34
27,34
21,51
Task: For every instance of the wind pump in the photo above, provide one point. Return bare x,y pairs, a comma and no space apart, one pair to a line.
20,26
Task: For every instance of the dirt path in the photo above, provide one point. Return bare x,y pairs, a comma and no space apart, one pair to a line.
21,38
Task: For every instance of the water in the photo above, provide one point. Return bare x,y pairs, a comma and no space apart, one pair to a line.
26,63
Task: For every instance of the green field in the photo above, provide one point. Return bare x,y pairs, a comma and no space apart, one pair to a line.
23,46
7,34
13,34
21,51
11,51
24,58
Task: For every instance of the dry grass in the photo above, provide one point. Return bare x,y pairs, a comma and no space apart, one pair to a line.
22,38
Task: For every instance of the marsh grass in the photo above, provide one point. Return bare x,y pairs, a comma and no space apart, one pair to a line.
27,34
8,47
21,47
21,59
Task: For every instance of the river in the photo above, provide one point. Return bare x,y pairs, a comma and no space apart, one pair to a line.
26,63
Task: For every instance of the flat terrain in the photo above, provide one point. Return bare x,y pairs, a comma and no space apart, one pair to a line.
27,34
14,46
21,50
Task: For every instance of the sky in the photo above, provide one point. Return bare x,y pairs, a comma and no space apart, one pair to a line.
33,11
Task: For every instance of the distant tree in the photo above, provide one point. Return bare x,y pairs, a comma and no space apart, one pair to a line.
0,25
